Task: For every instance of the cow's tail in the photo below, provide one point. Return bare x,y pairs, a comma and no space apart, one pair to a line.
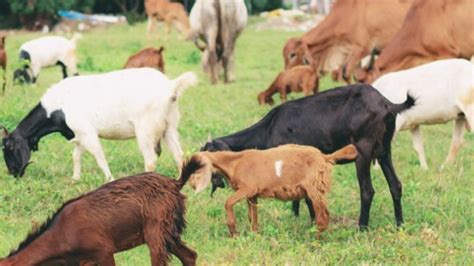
398,108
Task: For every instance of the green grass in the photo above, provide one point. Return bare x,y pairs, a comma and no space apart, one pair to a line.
437,203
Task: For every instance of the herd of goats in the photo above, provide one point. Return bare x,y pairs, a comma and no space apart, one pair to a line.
418,68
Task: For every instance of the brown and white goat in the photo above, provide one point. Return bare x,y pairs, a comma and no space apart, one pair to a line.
145,208
287,172
169,12
301,78
148,57
3,62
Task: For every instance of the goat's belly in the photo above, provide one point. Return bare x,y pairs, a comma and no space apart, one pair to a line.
117,131
284,193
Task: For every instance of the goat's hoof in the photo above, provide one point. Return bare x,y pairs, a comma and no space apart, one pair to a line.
363,228
75,178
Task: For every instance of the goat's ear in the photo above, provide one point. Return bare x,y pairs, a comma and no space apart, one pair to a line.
204,178
4,132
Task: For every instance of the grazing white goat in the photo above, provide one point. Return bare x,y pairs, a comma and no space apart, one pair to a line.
444,91
45,52
136,102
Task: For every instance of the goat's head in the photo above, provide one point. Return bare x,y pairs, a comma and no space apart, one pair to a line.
201,178
263,98
16,152
23,75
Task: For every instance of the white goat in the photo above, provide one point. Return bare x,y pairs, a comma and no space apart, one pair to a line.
444,91
136,102
49,51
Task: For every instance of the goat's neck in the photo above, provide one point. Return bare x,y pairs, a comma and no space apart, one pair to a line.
225,161
37,125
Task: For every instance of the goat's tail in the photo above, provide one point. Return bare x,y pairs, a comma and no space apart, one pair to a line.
76,37
348,152
189,168
184,81
398,108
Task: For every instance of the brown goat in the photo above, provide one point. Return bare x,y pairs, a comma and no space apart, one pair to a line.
88,230
287,172
148,57
169,12
3,62
301,78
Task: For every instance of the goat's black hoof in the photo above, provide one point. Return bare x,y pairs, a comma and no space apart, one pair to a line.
363,228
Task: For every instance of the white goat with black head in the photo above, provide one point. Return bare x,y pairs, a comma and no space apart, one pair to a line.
45,52
444,90
139,102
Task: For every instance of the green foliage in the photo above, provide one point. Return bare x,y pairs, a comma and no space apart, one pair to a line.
25,7
437,202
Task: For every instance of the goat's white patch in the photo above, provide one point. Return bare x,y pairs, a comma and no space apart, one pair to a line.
278,166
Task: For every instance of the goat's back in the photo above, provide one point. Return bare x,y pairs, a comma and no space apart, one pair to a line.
332,119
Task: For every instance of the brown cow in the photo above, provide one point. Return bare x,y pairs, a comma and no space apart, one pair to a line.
169,12
432,30
350,31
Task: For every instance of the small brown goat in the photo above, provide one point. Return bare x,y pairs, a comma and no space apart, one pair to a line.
301,78
3,62
169,12
148,57
287,172
88,230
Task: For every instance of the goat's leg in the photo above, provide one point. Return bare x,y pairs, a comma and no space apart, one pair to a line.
159,256
71,63
76,158
319,205
186,255
295,207
147,144
418,145
4,81
365,183
107,260
393,182
92,144
172,142
252,212
150,25
458,135
229,204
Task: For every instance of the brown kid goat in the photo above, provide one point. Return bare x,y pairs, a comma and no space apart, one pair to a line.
88,230
3,62
301,78
148,57
287,172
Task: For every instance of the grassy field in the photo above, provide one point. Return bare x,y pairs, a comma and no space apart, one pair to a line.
438,204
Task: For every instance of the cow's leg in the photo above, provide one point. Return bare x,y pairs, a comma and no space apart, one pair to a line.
212,55
393,182
457,139
356,55
228,60
365,183
418,145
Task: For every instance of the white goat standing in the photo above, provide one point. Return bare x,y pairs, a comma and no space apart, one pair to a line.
49,51
136,102
444,91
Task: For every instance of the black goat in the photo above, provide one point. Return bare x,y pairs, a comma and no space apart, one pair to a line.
330,120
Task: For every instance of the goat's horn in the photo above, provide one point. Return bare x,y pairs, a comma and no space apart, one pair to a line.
4,132
209,137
